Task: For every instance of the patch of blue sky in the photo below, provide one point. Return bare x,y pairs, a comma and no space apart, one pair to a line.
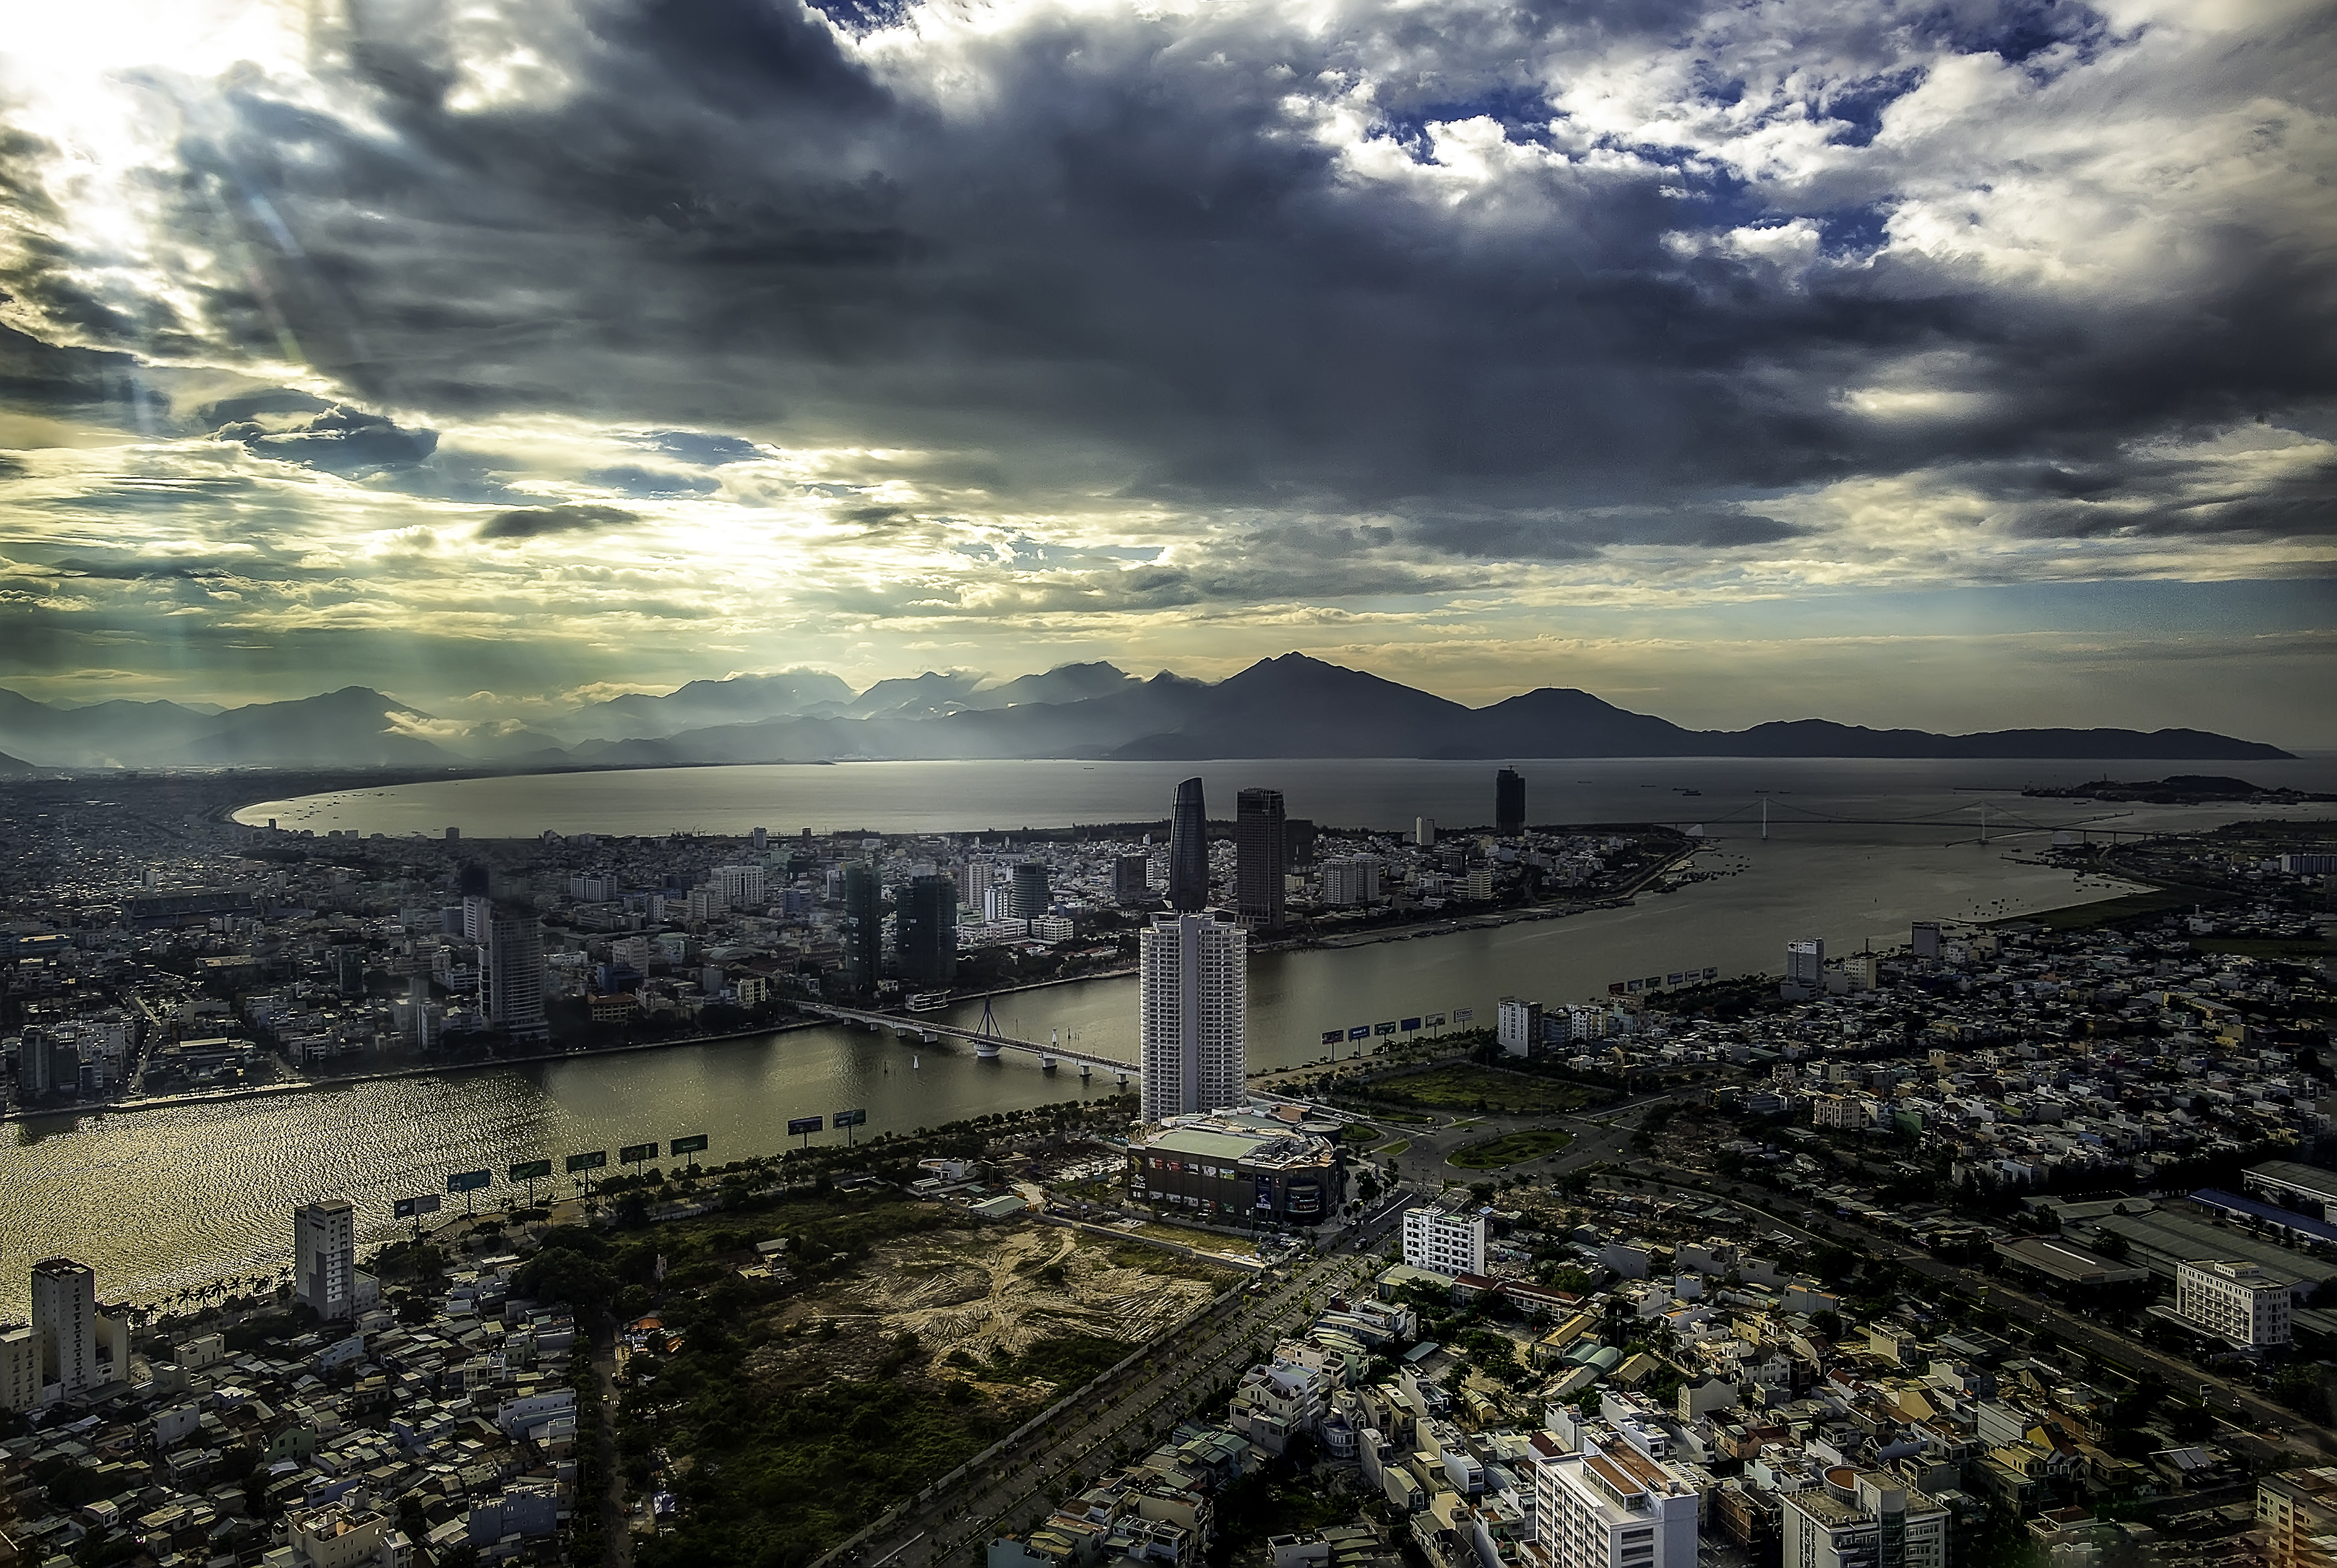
1523,113
1856,108
862,17
2022,33
1847,232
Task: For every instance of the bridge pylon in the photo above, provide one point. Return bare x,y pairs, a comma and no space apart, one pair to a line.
987,1034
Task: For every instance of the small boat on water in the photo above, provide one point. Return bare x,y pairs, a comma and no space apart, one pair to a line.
929,1001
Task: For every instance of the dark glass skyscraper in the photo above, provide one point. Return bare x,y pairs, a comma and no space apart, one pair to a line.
1189,850
925,930
1260,856
864,929
1509,801
1033,896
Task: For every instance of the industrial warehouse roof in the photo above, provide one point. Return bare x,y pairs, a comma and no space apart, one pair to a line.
2074,1264
2165,1237
2309,1180
2251,1210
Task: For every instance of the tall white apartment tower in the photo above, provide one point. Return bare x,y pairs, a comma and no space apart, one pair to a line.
325,1257
64,1321
513,973
1194,1002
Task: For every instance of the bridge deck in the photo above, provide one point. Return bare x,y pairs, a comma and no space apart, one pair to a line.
900,1021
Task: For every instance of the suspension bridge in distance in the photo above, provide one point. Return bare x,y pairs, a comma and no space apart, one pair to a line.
989,1042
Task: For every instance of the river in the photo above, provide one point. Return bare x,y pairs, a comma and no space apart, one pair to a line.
157,1200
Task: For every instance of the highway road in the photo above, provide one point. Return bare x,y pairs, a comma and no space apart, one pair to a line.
1182,1370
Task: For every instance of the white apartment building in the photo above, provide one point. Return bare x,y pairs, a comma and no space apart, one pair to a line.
1863,1519
1444,1242
738,887
20,1368
65,1323
1193,1023
2237,1302
325,1258
1518,1025
1608,1506
513,973
1351,879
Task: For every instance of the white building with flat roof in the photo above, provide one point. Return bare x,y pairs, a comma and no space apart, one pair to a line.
738,887
1444,1242
1863,1519
1608,1506
2237,1301
1518,1025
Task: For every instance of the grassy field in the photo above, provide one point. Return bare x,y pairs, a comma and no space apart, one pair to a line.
1468,1088
1390,1151
1515,1149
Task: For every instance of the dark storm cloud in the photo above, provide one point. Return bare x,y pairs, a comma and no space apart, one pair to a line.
339,440
2165,497
1132,260
534,522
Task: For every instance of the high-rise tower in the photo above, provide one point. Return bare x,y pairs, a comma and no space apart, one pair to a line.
864,929
325,1257
1034,893
1194,998
1189,850
512,972
925,931
1509,801
1260,856
64,1322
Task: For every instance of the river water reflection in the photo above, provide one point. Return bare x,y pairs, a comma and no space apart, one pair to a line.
156,1200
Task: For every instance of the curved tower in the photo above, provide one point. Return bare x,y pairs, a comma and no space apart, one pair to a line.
1189,850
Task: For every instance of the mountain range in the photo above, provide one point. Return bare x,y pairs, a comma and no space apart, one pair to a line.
1293,706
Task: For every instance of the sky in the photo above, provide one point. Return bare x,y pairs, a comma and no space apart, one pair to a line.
1954,364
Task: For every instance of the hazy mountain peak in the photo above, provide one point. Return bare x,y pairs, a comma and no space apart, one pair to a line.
1063,683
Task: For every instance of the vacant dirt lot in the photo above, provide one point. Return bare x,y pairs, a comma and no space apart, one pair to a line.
979,1300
